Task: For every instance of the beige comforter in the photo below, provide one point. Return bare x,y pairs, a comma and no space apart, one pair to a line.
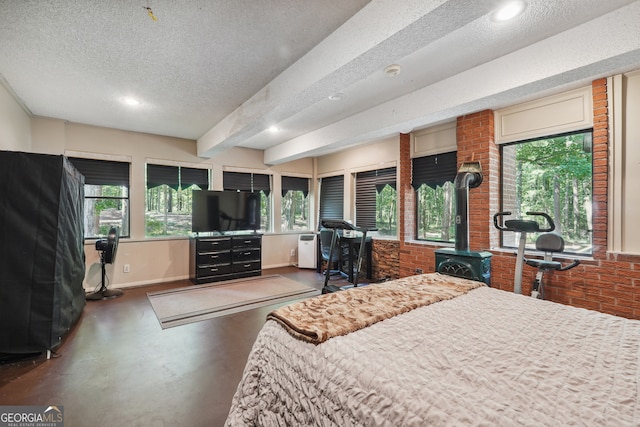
486,358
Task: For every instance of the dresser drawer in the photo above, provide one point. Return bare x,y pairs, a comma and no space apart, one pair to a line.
244,255
246,266
213,258
213,244
246,242
214,270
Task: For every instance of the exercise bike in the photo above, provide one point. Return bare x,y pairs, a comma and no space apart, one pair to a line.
548,242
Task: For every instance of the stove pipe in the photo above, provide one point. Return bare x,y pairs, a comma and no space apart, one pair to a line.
469,176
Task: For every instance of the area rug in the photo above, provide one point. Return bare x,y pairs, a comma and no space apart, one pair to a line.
185,305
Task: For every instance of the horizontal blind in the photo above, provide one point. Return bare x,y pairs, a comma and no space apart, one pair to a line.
194,176
246,182
158,175
332,198
102,172
293,183
261,182
434,170
368,184
236,181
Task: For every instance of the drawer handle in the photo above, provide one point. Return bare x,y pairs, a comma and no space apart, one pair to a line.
213,270
211,242
247,253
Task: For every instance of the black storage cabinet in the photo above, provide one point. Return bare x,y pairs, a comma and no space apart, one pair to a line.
224,257
42,263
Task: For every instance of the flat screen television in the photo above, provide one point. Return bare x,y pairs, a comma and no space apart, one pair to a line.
225,211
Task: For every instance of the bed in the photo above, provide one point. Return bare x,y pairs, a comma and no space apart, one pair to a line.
472,355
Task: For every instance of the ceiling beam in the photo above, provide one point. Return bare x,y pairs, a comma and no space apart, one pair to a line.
565,61
381,33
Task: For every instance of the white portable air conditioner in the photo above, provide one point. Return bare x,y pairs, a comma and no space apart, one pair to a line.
307,251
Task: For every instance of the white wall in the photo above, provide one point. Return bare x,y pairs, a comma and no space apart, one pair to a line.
158,260
556,114
15,124
624,163
631,173
376,155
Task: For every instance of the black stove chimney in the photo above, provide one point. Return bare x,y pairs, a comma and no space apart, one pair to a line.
461,262
469,176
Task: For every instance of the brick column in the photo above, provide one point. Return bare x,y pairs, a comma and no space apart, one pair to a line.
406,222
476,142
600,167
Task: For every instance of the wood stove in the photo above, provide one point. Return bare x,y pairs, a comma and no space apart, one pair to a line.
461,262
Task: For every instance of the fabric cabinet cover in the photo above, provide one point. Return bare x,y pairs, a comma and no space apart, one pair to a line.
42,262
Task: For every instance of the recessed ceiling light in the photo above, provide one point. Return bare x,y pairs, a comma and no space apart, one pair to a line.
392,70
336,96
508,10
273,129
130,101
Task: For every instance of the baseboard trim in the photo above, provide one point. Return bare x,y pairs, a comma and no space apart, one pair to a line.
142,283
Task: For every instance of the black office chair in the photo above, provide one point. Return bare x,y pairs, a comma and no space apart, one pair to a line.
326,235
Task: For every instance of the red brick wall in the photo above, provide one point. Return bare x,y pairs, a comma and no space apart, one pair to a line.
475,138
475,143
609,282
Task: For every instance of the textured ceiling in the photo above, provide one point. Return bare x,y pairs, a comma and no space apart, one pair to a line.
223,72
76,59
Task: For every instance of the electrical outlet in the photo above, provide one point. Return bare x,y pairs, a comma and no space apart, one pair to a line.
293,252
126,268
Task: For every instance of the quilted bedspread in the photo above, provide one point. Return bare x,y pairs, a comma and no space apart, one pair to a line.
485,358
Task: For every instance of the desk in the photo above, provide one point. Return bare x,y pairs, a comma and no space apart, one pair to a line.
352,246
349,254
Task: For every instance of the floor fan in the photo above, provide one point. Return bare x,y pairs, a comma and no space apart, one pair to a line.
108,248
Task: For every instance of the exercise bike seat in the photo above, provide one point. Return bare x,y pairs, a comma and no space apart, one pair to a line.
542,264
549,243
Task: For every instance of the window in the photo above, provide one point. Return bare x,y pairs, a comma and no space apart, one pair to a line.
553,175
332,198
168,199
106,196
295,203
257,182
376,201
433,178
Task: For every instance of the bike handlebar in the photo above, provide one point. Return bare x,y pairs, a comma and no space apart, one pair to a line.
570,266
526,223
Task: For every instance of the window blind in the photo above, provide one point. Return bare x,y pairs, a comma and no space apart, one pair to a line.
332,198
102,172
434,170
161,174
292,183
194,176
368,184
246,182
261,182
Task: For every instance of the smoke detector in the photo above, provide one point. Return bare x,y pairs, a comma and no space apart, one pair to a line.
392,70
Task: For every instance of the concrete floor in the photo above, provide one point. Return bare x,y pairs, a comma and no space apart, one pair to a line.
117,367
